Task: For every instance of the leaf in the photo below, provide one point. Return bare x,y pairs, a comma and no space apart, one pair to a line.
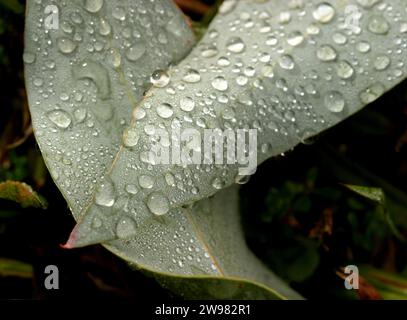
21,193
390,286
14,268
286,70
374,194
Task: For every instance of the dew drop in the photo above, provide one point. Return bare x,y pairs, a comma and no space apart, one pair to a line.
136,51
295,38
192,76
219,83
60,118
378,25
324,12
131,138
235,45
126,228
160,79
382,63
344,70
287,62
334,101
146,181
66,45
187,104
105,194
371,93
158,204
131,189
326,53
93,6
165,110
29,57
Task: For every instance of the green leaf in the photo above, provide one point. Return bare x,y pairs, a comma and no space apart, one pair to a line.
371,193
287,70
21,193
14,268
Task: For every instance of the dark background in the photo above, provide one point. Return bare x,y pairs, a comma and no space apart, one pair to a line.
297,215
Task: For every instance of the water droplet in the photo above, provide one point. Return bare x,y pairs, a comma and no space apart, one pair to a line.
223,62
242,179
126,228
344,70
187,104
165,110
209,51
105,28
29,57
80,114
105,194
371,93
287,62
326,53
146,181
60,118
363,46
136,51
119,13
158,204
324,12
334,101
227,6
382,63
93,6
160,79
235,45
131,138
66,45
378,25
217,183
220,83
192,76
131,189
295,38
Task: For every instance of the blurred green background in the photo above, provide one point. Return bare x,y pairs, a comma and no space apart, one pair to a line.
300,214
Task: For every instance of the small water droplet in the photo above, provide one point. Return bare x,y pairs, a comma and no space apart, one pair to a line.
371,93
295,38
29,57
382,63
146,181
287,62
160,79
131,138
136,51
344,70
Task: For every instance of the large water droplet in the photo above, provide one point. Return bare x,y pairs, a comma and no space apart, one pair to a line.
334,101
105,194
382,63
287,62
378,25
220,83
187,104
165,110
371,93
324,12
326,53
235,45
160,79
93,6
158,204
136,51
131,138
126,228
344,70
192,76
60,118
66,45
